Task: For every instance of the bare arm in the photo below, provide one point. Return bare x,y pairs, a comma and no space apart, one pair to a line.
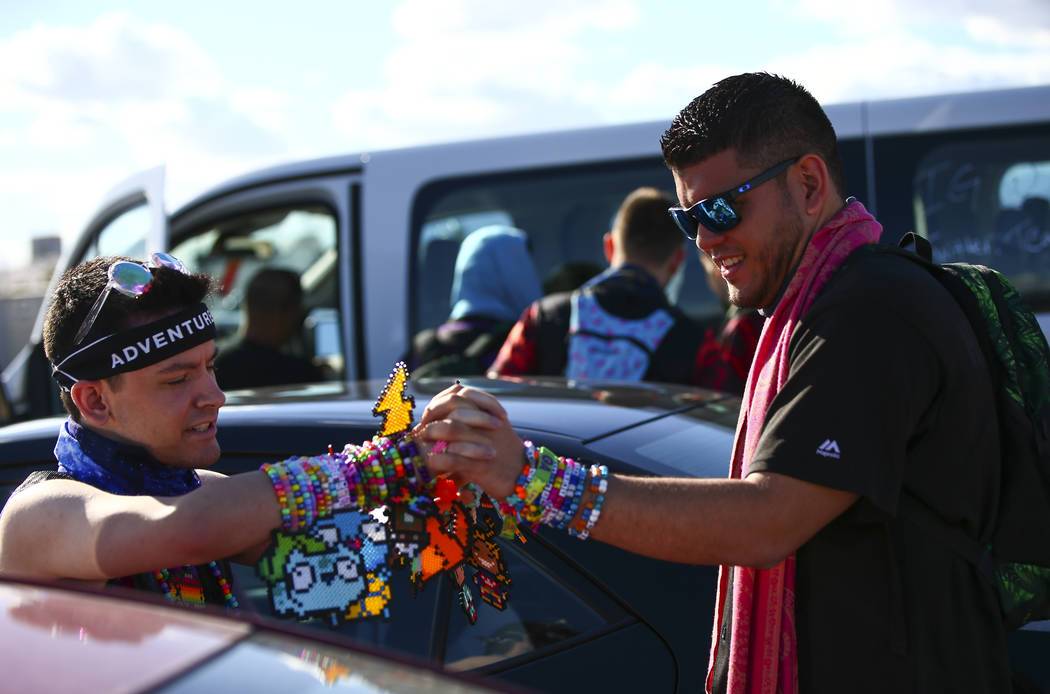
756,521
66,529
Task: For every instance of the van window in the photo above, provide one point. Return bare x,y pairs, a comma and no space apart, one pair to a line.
300,239
565,211
989,203
123,235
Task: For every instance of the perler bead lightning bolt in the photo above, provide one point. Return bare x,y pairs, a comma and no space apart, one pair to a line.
393,405
350,518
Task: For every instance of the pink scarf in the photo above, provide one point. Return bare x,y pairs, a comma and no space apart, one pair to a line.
762,648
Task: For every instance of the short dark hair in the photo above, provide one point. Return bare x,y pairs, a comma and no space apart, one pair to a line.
765,118
644,229
81,285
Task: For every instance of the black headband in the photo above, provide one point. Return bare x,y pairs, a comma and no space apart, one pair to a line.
136,348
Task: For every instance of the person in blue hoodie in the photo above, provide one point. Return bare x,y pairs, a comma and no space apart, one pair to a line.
494,280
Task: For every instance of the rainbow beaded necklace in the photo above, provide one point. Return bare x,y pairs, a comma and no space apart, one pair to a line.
183,586
128,470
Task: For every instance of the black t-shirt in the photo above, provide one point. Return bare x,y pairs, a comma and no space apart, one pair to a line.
888,394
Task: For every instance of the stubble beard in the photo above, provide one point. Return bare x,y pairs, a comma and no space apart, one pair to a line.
777,261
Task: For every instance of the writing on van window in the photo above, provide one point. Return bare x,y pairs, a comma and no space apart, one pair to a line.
984,209
946,185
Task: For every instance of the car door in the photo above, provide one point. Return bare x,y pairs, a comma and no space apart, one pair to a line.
305,224
131,221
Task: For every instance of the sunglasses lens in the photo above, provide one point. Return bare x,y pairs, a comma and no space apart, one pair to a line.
168,261
719,213
130,279
684,221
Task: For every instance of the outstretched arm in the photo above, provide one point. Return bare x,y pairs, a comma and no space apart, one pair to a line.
66,529
756,521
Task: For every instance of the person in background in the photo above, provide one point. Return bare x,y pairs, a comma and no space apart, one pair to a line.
494,280
570,276
619,324
273,316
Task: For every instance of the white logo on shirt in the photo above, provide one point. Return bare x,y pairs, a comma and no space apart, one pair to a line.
829,449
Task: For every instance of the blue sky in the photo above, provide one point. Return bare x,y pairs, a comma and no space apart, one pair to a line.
91,93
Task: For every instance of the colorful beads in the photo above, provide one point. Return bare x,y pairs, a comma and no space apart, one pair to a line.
551,490
186,589
363,476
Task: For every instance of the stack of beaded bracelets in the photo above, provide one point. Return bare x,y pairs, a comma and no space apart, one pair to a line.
362,476
550,490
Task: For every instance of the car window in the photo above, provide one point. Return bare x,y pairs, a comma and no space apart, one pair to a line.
977,194
564,211
660,443
989,203
409,629
298,239
125,235
541,611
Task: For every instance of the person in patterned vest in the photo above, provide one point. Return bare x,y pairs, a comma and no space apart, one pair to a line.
618,325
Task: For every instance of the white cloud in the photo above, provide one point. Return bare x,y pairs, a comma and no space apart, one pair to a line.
993,30
418,19
83,107
60,127
148,85
893,48
653,91
267,107
878,16
115,59
53,201
466,66
895,66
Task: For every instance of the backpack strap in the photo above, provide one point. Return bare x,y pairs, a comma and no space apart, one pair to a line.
552,334
921,244
38,476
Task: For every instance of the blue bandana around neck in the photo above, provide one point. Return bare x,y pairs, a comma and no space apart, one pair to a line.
116,467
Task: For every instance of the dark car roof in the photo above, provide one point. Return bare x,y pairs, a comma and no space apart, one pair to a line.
582,409
644,426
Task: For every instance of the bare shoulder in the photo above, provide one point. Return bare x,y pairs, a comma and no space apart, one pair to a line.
31,518
46,499
208,476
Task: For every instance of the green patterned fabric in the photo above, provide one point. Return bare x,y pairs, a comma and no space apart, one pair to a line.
1017,558
1020,363
1021,348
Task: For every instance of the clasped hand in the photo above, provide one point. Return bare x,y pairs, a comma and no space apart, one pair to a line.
482,448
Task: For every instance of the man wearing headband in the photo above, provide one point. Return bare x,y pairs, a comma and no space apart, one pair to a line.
867,424
132,502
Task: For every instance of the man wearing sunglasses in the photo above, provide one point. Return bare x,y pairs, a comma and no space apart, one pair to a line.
868,402
132,503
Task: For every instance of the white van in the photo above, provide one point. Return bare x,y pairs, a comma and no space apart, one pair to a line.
374,235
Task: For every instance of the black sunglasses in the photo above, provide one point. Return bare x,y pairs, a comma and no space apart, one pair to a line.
717,212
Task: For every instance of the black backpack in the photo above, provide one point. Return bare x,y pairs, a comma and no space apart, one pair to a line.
1017,561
